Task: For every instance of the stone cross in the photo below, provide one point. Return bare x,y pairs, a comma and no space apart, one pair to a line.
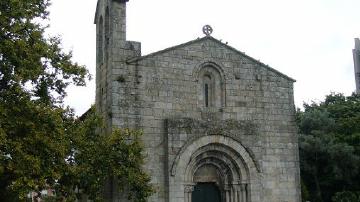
207,30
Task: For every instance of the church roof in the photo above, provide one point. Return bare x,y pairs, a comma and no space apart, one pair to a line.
134,60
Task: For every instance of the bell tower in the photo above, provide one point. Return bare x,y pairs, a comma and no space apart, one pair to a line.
110,20
112,52
356,53
114,76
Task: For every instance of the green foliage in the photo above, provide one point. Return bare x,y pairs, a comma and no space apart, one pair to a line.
329,146
346,196
42,145
34,73
33,154
304,192
29,62
49,199
95,157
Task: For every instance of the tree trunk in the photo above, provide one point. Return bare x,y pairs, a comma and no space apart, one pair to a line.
318,189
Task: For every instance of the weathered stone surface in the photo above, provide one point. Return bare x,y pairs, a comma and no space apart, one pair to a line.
356,53
202,105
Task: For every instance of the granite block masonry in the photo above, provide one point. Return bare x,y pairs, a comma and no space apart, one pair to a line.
213,118
356,54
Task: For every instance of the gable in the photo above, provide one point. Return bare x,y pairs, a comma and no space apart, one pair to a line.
208,49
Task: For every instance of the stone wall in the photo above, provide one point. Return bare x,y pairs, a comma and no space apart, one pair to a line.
202,105
166,85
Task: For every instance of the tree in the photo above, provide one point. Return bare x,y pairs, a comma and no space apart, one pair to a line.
329,146
346,196
95,157
42,144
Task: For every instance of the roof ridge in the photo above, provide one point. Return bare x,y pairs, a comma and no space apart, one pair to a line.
136,59
131,60
253,59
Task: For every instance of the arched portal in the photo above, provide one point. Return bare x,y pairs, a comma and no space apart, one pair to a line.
214,162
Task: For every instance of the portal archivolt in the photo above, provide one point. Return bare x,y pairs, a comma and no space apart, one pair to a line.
218,164
216,161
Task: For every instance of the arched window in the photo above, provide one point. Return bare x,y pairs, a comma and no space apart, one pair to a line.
211,87
100,41
107,34
206,95
207,91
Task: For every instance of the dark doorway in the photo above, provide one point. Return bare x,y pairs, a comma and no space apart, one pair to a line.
206,192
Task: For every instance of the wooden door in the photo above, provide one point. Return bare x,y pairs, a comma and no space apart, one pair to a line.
206,192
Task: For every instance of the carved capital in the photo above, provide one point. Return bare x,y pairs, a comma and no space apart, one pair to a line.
188,188
227,187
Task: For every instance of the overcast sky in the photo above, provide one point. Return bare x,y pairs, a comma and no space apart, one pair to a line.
308,40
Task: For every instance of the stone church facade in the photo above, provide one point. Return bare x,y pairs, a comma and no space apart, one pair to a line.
215,120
